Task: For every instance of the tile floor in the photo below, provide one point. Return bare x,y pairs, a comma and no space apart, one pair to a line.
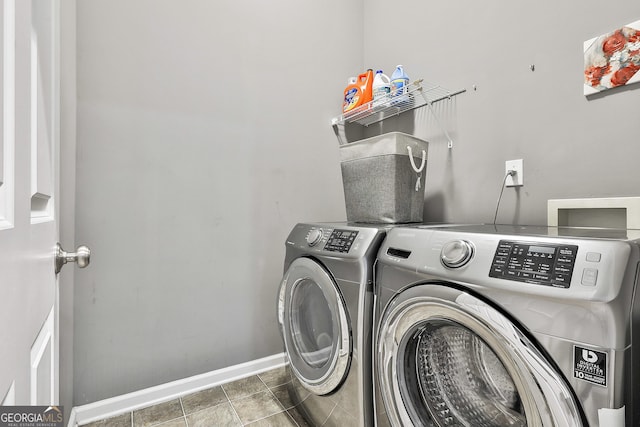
258,401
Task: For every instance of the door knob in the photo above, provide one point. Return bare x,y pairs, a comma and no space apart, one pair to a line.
82,257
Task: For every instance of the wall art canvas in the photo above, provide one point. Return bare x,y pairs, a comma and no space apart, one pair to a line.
612,59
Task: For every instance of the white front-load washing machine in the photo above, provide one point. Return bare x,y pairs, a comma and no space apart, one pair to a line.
507,326
325,313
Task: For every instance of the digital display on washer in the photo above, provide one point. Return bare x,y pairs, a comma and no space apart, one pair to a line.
340,240
550,265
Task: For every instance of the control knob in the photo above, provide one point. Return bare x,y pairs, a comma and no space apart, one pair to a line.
456,253
314,236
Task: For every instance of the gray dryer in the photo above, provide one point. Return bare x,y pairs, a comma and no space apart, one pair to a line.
325,312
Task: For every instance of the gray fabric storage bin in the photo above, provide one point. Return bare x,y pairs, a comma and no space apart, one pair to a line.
379,180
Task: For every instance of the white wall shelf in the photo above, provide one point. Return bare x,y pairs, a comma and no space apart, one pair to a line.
418,95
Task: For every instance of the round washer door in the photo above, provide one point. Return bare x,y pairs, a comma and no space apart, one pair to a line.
315,326
447,358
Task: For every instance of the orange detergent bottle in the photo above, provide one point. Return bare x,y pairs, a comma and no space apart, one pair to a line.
358,92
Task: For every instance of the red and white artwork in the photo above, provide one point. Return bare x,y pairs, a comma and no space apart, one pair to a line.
612,59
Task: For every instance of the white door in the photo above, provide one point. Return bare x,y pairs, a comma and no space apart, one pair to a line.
29,143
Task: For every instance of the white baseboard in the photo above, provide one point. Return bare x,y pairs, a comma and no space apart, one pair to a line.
114,406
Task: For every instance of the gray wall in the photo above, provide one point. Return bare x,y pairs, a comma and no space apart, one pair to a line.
203,137
572,146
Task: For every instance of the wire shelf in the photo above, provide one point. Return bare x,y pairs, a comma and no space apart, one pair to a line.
416,96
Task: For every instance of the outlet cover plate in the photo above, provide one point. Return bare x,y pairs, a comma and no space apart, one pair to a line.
516,180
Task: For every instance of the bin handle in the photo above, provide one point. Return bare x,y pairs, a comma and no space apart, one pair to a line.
417,170
413,165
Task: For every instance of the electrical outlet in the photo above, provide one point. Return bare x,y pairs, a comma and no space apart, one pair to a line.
517,179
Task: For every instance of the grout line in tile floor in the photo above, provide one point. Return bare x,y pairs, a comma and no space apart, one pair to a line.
248,401
184,413
228,399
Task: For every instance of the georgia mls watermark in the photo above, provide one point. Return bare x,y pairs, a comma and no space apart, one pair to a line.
31,416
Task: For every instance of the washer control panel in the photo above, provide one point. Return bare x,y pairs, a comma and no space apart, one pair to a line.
543,264
340,240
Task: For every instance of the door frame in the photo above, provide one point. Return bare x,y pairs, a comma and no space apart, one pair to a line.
66,187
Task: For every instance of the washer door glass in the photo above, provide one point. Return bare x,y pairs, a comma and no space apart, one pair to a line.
446,358
315,326
311,323
458,379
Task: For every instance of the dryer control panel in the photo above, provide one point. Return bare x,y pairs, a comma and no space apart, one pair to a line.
340,240
543,264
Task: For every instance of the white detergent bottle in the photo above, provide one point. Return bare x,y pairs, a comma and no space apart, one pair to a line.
399,84
381,88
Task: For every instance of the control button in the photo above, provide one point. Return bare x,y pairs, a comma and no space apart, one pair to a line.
314,236
456,253
589,276
593,256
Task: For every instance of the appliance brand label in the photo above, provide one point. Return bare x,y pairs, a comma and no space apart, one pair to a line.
590,365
